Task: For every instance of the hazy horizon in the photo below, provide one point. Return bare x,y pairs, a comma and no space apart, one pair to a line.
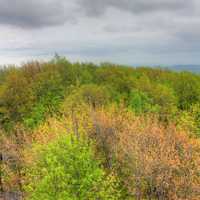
19,61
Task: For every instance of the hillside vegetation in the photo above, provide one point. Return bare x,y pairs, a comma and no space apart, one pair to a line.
72,131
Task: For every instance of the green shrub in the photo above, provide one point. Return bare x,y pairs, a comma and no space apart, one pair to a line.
66,169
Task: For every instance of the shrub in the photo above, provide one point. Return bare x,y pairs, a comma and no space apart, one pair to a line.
66,169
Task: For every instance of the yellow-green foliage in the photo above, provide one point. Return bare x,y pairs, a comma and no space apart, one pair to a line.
86,131
66,168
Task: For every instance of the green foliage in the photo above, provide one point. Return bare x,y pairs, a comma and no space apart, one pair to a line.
78,97
32,93
187,88
121,80
66,169
165,98
195,110
94,95
190,120
49,93
16,98
141,103
36,116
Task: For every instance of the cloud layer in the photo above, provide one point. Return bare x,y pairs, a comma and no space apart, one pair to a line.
125,31
37,13
98,7
33,13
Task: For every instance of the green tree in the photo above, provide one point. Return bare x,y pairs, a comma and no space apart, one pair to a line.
49,93
140,102
16,98
187,87
66,169
195,110
164,96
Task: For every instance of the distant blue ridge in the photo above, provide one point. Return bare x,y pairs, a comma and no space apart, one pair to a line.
190,68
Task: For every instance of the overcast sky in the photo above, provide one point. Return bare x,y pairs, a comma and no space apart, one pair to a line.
135,32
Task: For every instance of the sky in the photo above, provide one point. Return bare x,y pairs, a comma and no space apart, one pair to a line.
132,32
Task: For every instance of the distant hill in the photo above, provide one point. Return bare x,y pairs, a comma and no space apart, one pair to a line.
190,68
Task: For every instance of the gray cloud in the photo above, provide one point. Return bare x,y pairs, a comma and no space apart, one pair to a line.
126,31
39,13
33,13
99,7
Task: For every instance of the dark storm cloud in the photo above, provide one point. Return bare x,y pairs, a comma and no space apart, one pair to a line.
32,13
98,7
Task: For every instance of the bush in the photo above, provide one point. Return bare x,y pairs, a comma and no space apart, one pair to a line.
66,169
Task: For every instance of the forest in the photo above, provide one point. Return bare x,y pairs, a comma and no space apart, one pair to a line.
82,131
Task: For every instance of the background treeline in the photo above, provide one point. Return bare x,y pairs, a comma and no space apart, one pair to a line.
82,131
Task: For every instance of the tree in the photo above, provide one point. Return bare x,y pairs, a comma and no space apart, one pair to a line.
66,169
16,98
164,97
190,120
153,161
187,87
49,93
141,103
12,159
